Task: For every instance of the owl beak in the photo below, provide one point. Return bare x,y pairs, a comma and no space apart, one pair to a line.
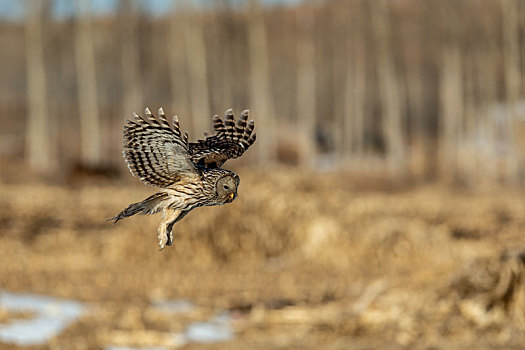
232,196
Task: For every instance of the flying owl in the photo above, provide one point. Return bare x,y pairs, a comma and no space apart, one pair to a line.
189,174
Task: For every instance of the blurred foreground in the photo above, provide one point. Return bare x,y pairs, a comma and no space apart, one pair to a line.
298,261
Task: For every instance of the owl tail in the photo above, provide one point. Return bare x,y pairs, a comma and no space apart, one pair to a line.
150,205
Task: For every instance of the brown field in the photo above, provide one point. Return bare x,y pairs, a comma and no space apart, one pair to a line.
413,92
298,261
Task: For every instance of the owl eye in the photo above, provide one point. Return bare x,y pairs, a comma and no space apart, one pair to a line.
226,187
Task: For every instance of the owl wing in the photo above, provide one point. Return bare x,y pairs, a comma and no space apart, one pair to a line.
231,140
156,152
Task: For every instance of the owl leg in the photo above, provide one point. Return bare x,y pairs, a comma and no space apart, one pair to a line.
170,226
169,217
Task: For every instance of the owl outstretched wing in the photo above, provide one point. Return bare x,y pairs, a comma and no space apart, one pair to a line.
231,140
156,152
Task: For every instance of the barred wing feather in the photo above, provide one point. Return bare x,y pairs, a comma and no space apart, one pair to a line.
230,141
156,152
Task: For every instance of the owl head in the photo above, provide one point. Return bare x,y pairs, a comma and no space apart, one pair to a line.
226,188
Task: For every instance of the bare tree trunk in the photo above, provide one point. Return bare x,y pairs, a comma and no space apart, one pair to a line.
511,47
130,58
228,78
177,69
388,90
195,49
451,110
416,100
221,75
355,102
90,133
487,156
467,153
38,143
306,85
420,150
340,67
260,93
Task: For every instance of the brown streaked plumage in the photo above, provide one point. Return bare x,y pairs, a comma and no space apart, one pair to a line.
189,175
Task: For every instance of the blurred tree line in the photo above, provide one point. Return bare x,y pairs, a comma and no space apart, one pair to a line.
413,89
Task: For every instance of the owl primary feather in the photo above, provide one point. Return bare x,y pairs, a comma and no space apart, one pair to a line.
189,174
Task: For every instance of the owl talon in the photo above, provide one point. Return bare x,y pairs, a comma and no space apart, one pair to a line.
162,241
169,237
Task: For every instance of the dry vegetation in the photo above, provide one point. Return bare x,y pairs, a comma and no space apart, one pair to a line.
389,91
300,261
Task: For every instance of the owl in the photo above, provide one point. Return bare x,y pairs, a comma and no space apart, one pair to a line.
188,174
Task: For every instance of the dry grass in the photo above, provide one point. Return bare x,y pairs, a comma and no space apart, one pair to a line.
301,261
